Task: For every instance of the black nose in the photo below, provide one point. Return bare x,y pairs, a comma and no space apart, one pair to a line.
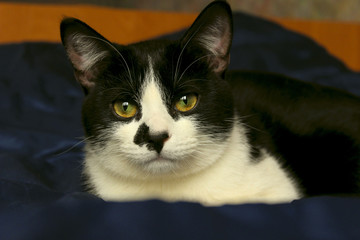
156,141
153,141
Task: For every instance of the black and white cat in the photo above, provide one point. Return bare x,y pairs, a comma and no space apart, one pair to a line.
163,119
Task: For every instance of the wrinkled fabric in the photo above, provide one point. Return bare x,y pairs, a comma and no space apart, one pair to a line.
76,217
41,141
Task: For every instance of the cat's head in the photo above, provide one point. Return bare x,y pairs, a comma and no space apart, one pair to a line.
157,107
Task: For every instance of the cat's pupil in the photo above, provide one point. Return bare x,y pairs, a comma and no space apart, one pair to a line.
184,99
125,106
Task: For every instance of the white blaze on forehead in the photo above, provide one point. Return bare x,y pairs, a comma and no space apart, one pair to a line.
154,110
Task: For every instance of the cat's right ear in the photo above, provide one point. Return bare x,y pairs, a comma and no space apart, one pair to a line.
87,50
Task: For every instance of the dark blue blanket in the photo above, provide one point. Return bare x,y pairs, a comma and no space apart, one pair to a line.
41,154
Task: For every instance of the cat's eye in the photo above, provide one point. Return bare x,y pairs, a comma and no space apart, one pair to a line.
186,102
125,109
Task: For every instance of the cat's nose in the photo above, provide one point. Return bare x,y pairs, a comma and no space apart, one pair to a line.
156,141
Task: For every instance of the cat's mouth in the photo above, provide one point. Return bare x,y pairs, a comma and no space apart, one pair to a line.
160,159
159,165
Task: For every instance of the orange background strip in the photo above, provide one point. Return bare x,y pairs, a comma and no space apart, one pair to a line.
40,22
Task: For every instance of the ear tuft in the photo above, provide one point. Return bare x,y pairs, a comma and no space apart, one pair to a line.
84,52
215,37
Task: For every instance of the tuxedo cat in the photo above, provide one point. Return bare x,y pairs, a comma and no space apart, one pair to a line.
165,120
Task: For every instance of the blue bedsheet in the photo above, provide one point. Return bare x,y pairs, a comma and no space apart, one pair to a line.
41,154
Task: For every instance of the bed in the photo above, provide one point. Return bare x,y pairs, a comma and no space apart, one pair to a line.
41,144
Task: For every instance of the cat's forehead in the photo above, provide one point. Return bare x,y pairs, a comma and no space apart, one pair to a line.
146,80
136,66
162,53
152,86
150,78
153,63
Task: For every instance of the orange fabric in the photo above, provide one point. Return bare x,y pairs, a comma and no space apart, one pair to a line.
40,22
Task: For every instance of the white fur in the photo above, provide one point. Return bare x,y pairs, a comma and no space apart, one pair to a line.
191,167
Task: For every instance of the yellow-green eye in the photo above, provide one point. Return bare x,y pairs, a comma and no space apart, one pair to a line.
186,103
124,109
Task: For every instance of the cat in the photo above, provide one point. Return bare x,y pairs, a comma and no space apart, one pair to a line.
166,120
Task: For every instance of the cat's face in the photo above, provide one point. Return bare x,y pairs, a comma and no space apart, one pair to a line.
159,107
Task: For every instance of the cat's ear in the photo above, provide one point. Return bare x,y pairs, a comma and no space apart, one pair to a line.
212,31
87,50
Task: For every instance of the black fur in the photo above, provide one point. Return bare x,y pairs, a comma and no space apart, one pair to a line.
313,130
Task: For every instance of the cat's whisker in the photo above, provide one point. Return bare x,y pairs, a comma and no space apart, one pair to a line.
188,82
134,88
256,129
247,116
112,89
194,80
192,64
73,146
182,51
121,90
248,125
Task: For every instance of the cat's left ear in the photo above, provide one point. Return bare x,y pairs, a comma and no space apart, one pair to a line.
212,31
87,50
